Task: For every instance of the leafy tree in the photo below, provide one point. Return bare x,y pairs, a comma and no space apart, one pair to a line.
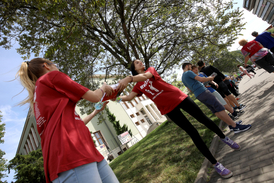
116,124
3,166
94,141
28,168
85,37
228,61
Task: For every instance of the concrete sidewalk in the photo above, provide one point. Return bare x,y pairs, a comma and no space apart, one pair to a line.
254,163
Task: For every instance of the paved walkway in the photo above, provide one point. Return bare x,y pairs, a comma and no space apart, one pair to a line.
254,163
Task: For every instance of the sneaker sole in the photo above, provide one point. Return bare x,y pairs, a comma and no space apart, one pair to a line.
228,176
242,130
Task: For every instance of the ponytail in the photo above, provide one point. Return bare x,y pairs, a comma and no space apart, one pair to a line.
29,73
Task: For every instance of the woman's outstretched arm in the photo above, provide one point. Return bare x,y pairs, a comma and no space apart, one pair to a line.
140,77
129,97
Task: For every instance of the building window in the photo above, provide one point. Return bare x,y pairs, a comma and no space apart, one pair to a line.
100,139
265,9
142,111
134,102
132,116
148,120
142,120
259,7
137,114
125,105
131,103
137,123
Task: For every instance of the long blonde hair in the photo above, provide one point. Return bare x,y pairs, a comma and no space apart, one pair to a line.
29,73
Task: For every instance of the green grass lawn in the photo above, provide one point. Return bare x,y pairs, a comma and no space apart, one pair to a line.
167,154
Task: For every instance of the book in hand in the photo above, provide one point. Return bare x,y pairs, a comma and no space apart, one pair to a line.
114,95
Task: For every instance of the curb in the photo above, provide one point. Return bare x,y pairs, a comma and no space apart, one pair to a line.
202,174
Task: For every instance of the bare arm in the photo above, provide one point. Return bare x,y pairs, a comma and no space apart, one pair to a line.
95,96
140,77
202,79
91,115
246,59
212,82
129,97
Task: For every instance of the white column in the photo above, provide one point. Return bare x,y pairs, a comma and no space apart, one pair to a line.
27,148
32,141
156,110
149,114
29,145
153,113
34,137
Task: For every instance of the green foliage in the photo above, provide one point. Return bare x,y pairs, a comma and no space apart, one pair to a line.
116,124
94,141
3,166
28,168
228,61
85,37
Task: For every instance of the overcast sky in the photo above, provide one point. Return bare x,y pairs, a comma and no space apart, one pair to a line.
15,116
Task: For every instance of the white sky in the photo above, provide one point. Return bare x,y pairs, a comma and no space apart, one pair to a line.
15,116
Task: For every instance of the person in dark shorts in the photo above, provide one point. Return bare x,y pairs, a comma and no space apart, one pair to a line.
219,79
193,82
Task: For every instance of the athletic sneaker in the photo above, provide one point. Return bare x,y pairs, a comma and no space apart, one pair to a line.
240,128
237,123
241,107
221,170
233,117
231,143
239,113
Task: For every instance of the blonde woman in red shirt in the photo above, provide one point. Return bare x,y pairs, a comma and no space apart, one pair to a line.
68,148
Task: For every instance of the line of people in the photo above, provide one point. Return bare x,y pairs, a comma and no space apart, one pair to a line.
68,149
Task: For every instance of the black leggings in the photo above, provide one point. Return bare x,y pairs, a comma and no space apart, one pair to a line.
179,118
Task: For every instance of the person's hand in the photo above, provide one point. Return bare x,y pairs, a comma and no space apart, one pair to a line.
104,105
211,78
217,86
123,83
108,89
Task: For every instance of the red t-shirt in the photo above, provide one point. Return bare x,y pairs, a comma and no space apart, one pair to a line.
65,139
164,95
252,47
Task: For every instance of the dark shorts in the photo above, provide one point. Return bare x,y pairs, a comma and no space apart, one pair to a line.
210,101
223,89
267,63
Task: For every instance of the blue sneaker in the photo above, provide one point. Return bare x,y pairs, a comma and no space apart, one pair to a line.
237,123
221,170
240,128
231,143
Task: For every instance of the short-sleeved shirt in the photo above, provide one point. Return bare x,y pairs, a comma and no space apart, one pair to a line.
195,86
65,139
208,70
201,74
257,56
164,95
265,39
